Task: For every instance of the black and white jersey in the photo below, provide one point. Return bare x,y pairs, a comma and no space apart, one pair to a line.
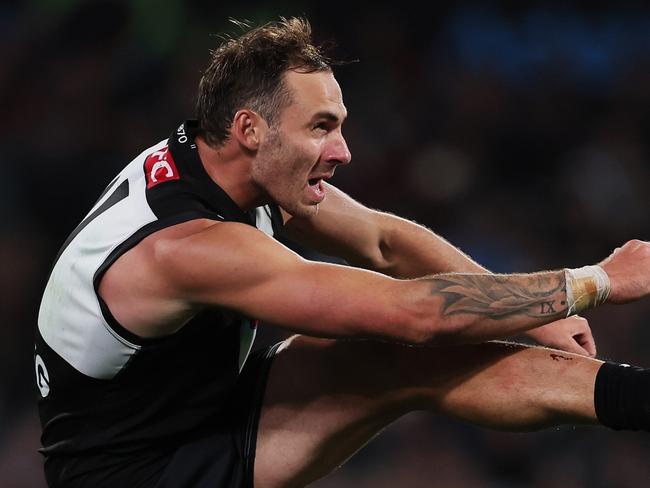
103,389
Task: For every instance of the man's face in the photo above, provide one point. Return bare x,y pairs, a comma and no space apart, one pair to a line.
306,145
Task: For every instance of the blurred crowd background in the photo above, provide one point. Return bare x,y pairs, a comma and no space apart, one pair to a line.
517,130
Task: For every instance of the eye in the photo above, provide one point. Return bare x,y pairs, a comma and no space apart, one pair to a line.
321,126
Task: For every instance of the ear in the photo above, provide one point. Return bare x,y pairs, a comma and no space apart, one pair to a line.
248,128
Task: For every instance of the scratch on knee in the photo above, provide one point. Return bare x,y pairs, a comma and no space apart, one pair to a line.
557,357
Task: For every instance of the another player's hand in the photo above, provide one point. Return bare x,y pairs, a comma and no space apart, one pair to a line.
628,268
572,334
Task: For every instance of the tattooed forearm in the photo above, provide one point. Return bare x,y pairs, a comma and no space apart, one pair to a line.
541,295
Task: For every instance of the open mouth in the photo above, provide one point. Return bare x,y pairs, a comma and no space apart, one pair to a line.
316,187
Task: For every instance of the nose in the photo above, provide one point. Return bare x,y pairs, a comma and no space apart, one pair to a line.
337,151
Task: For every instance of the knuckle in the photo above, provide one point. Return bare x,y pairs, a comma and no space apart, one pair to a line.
641,246
579,321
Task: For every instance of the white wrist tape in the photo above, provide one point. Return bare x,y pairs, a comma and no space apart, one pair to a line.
586,287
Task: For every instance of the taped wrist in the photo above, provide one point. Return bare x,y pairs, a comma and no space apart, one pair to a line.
586,287
622,397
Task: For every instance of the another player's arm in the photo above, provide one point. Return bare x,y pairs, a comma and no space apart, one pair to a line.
238,267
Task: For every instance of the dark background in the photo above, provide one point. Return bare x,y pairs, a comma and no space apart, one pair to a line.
518,132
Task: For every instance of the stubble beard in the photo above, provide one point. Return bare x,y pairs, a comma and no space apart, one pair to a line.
281,186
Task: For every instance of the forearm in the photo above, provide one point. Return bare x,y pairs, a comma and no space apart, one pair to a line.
376,240
409,250
478,307
442,309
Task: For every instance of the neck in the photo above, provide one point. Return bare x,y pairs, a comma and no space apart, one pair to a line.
231,170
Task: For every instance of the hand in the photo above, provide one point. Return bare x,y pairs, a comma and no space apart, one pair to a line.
628,268
572,334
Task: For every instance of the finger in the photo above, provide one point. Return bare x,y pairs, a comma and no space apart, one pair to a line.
574,347
586,341
584,337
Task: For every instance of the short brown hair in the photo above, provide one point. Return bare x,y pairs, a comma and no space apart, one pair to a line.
247,72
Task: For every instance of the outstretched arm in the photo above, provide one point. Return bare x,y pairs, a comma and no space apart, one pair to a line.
238,267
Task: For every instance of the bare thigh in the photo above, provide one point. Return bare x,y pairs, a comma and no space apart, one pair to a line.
326,398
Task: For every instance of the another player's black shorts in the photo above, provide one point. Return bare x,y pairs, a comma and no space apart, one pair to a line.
222,458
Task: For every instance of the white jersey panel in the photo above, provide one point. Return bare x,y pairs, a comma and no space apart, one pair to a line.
70,319
263,220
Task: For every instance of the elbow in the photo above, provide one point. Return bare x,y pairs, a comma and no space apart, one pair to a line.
378,253
375,257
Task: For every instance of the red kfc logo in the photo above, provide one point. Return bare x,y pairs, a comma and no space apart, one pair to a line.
160,167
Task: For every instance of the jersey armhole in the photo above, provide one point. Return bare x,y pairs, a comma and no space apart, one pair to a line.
114,326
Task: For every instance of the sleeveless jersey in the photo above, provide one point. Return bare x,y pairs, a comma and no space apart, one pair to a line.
104,392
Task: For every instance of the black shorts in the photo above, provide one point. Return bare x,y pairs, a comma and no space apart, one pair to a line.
221,457
225,459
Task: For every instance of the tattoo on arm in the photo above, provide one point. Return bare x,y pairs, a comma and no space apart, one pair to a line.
497,297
